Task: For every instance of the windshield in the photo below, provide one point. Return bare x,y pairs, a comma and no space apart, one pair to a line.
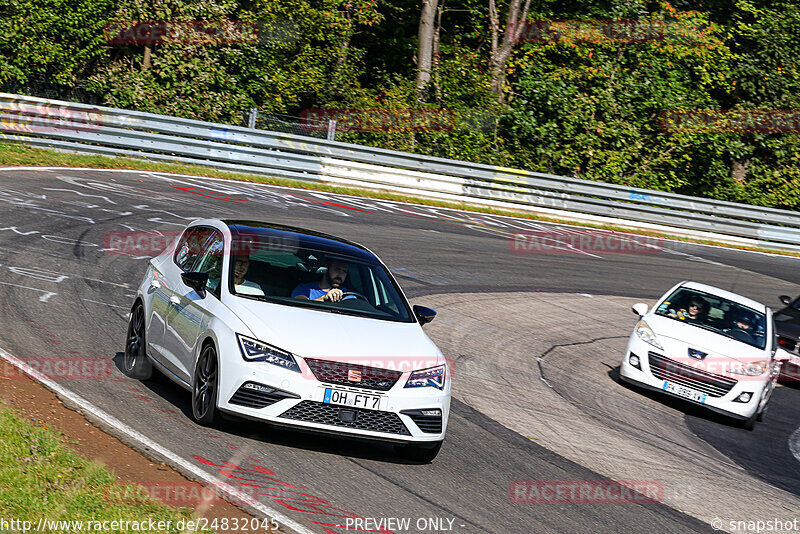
305,277
717,314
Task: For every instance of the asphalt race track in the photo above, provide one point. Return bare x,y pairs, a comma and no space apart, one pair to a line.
66,297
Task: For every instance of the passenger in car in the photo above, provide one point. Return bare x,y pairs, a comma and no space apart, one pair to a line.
696,310
329,287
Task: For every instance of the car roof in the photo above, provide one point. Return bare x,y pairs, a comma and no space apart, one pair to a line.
750,303
301,238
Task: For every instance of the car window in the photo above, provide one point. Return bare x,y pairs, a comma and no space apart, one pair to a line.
211,261
286,276
717,314
191,244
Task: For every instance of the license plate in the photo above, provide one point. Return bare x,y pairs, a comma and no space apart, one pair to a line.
350,398
683,391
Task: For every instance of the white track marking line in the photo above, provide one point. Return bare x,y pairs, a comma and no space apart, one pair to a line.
105,303
146,442
794,444
43,298
343,195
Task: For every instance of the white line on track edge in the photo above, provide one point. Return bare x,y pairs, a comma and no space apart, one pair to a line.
143,440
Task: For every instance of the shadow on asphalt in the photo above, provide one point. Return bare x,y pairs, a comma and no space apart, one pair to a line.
764,452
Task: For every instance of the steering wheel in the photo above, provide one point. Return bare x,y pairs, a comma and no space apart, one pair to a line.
355,294
741,335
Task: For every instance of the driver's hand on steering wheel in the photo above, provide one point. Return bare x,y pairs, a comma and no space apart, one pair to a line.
333,295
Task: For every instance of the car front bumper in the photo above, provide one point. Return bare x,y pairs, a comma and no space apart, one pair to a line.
711,387
298,400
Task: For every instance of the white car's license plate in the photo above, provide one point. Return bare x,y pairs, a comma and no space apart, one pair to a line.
684,391
350,398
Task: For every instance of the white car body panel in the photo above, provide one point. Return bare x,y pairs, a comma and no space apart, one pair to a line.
677,337
176,332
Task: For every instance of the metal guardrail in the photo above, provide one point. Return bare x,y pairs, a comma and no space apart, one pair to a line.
99,130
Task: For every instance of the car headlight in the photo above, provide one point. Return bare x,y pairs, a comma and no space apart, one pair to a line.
431,377
647,335
254,350
749,369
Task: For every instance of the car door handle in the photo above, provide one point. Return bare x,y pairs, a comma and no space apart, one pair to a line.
175,299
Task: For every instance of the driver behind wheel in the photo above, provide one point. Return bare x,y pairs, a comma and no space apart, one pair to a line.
329,287
744,321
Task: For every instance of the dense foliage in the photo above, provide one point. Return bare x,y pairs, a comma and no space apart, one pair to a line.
591,107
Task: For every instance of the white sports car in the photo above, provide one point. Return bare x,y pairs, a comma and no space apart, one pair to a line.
709,346
292,327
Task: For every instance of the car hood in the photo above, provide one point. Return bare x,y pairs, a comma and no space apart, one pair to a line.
332,336
677,337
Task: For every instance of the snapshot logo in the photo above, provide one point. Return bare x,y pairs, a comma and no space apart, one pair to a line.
199,32
61,368
737,120
586,492
396,120
589,241
45,117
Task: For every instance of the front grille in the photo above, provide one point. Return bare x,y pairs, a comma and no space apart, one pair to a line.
712,385
340,372
328,414
430,424
254,395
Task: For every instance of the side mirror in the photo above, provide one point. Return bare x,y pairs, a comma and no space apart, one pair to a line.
196,281
424,315
782,356
639,308
786,299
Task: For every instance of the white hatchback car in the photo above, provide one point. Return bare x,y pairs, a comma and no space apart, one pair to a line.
292,327
709,346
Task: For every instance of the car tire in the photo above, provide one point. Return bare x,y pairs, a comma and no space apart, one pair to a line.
134,361
418,453
204,387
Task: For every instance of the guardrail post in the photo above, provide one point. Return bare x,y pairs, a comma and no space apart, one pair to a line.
331,130
251,120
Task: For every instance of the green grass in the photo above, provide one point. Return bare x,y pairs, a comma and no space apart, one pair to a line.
40,477
12,154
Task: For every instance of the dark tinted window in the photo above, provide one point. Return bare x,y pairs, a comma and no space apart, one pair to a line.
715,313
211,262
191,244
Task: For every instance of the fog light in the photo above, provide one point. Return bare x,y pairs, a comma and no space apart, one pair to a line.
634,361
744,397
431,413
